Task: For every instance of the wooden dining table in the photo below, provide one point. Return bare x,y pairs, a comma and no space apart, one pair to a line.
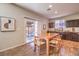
47,38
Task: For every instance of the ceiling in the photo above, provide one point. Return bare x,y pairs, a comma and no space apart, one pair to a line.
57,9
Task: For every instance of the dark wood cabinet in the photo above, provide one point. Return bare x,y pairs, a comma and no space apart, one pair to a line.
77,23
51,25
70,36
69,24
72,23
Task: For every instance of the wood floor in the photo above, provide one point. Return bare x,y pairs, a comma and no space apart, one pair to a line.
69,48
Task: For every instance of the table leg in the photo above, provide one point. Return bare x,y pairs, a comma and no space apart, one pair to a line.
47,47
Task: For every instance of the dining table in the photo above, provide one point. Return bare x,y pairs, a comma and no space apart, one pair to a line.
47,38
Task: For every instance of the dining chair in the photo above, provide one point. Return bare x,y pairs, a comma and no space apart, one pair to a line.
55,42
38,43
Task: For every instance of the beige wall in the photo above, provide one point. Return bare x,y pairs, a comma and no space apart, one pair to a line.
71,17
11,39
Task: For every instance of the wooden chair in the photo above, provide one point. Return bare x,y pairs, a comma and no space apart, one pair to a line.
38,43
55,42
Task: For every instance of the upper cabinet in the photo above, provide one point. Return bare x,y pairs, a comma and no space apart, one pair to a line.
69,23
51,25
72,23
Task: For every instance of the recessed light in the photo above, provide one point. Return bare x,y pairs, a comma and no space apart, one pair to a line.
56,12
50,6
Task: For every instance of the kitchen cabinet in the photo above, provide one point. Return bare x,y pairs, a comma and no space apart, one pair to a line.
72,23
70,36
51,25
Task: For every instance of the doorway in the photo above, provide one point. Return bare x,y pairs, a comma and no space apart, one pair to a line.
30,30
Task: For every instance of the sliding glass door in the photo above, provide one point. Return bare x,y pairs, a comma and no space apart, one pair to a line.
31,30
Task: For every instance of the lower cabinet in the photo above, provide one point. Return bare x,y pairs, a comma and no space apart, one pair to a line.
70,36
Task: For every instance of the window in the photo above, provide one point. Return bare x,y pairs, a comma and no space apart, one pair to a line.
59,24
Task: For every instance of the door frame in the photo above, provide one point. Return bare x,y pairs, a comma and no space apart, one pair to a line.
25,20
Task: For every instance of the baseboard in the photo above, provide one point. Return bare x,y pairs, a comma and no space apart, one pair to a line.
12,47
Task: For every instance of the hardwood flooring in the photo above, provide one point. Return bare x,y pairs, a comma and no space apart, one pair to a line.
69,48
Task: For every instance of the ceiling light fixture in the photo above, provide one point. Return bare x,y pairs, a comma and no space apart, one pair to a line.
56,12
50,6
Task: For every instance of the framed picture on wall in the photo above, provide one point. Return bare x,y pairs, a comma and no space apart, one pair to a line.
44,26
7,24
